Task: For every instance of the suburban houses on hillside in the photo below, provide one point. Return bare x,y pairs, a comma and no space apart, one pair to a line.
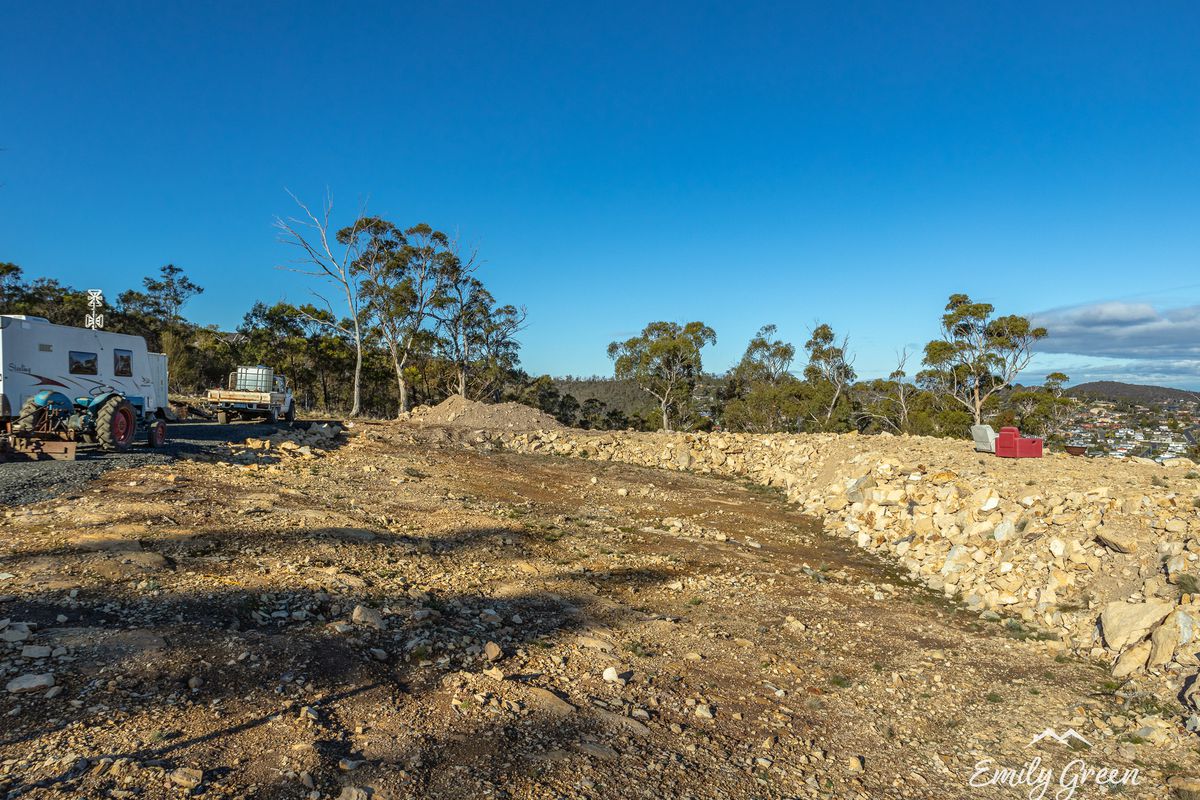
1122,430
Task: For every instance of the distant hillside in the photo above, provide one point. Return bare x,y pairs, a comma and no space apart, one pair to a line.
623,395
1129,392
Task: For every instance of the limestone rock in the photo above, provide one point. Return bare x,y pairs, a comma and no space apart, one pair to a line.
985,499
187,778
30,683
1124,623
363,615
1121,541
1132,660
548,701
1164,640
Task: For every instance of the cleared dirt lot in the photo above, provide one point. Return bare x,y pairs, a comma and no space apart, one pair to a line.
409,617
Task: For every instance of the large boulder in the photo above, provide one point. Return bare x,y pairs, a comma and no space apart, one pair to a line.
1177,630
1125,623
1118,540
30,683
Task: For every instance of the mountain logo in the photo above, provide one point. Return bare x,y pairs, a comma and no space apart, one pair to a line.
1066,737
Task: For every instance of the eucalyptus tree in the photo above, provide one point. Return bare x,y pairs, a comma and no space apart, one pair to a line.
335,256
664,361
977,354
830,373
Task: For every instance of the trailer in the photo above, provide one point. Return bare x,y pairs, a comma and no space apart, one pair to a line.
61,385
254,392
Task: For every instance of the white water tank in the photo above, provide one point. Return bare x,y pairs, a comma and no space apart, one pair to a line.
254,379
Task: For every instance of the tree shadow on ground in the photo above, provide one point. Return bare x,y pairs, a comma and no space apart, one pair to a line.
274,661
323,544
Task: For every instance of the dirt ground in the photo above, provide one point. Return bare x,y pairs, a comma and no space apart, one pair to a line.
411,617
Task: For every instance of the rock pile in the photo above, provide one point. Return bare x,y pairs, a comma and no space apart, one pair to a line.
1097,556
460,412
307,443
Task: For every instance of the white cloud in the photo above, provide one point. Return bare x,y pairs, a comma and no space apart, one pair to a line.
1082,369
1123,330
1132,342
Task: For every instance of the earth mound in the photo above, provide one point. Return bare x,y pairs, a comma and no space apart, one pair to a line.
460,412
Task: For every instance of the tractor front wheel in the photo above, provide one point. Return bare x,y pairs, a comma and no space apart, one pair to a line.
116,424
156,433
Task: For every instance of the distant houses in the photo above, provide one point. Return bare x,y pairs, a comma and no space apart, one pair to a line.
1120,430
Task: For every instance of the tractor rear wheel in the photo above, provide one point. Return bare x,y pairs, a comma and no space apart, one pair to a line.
116,424
32,416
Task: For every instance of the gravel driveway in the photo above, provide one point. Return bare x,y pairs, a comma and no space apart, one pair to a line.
34,481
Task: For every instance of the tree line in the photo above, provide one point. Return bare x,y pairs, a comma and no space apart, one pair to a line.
403,317
968,376
407,319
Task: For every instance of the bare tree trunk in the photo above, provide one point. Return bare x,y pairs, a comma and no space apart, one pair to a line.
340,269
665,415
356,403
402,384
398,365
837,393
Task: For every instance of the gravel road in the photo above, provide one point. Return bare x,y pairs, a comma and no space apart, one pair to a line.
31,482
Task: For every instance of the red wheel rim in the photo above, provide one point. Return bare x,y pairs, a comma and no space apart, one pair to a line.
122,425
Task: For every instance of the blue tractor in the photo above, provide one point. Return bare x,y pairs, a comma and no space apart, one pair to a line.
110,419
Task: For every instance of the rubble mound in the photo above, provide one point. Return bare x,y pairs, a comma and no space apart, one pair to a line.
463,413
299,442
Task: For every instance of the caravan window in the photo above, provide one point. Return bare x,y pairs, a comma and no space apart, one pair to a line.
84,363
123,363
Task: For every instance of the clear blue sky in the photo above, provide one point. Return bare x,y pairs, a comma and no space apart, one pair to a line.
852,163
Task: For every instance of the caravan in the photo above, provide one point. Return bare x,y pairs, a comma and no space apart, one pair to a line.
77,383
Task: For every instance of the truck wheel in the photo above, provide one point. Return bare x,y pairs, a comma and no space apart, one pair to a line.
116,424
222,418
31,417
156,433
290,416
273,416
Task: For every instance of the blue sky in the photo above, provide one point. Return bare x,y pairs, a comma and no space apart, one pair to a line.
851,163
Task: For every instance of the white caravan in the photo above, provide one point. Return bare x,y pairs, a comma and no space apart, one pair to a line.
37,355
